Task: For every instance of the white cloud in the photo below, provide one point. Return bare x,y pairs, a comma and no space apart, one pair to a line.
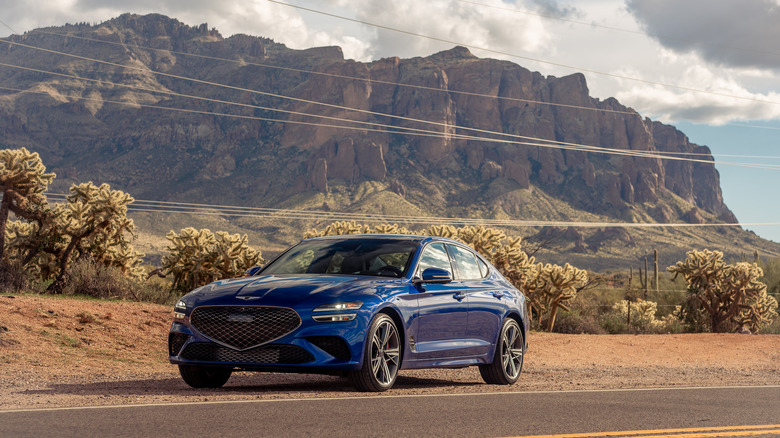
717,107
484,23
727,32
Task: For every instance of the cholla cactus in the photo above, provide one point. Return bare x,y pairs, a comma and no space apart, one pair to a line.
338,229
95,222
553,287
447,231
728,293
92,224
23,181
198,257
642,314
390,229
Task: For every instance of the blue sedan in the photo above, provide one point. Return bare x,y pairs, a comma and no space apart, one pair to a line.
365,306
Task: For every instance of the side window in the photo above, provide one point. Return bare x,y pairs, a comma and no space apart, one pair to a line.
468,269
434,256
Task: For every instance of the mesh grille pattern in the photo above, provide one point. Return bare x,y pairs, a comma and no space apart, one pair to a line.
332,345
244,327
175,342
271,354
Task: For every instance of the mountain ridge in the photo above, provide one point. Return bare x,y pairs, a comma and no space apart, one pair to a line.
258,156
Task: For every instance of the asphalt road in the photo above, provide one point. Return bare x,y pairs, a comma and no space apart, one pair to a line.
689,412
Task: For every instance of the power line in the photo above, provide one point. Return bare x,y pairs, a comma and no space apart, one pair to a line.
418,132
338,76
619,29
444,125
151,206
397,84
528,58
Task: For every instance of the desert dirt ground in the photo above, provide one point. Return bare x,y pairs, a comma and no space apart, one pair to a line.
61,352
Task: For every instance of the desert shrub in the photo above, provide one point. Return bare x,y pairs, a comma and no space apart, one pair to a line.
99,281
12,278
94,279
576,322
613,323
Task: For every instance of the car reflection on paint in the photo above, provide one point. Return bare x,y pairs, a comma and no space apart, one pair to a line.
365,306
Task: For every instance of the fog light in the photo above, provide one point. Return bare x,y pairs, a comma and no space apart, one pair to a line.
178,316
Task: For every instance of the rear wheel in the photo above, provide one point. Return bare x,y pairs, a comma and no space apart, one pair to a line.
204,377
381,357
508,359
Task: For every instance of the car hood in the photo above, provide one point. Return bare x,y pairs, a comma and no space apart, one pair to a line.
287,290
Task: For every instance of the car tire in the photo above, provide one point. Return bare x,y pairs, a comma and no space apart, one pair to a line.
508,358
204,377
381,357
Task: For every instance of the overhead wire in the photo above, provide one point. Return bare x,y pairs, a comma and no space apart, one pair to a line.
619,29
392,129
151,206
371,81
527,58
243,62
646,154
449,220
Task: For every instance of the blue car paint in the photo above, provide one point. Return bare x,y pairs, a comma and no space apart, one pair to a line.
451,325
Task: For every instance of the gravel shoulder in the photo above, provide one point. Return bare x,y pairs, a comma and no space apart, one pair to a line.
62,352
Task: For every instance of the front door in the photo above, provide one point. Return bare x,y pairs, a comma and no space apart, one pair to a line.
442,311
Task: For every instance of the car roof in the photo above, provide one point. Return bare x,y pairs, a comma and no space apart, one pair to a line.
410,237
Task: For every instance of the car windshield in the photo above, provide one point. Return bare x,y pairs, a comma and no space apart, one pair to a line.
377,256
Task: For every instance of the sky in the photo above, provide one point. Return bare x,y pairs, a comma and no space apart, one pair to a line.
709,67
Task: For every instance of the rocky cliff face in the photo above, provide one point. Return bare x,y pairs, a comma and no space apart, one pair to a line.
140,128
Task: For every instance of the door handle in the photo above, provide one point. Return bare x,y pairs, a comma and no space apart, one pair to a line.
499,295
459,296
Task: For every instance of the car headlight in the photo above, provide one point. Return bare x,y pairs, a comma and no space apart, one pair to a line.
349,305
337,307
178,310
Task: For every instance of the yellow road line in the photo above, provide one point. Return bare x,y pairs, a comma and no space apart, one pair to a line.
693,432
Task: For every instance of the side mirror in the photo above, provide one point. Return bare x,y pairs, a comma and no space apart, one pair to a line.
252,271
436,276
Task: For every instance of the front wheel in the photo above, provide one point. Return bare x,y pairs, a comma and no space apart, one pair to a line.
508,359
381,357
204,377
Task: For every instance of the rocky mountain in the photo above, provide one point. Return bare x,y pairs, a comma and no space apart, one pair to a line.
172,112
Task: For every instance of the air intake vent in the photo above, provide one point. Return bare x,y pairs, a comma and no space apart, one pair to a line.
244,327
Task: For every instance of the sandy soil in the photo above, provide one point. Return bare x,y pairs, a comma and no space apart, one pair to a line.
57,352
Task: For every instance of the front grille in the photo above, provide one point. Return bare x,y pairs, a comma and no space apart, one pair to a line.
175,342
244,327
333,345
267,354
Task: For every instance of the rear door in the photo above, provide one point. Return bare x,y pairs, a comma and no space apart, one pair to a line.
486,305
